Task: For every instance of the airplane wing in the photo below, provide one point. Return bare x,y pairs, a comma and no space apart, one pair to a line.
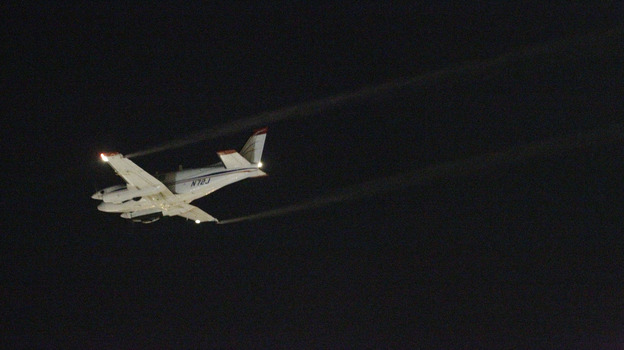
191,212
163,198
136,177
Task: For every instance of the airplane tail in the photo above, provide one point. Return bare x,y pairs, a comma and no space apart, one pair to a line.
252,151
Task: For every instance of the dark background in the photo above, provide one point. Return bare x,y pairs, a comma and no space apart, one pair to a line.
523,255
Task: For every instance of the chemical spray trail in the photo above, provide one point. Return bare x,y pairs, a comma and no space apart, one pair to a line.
452,169
557,50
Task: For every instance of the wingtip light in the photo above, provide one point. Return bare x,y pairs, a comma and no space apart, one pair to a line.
197,221
104,157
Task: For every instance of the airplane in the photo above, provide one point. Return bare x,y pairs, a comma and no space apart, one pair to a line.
146,198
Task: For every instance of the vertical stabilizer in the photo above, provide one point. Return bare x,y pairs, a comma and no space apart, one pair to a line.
252,151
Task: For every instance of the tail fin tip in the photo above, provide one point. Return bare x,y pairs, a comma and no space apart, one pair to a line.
252,151
260,131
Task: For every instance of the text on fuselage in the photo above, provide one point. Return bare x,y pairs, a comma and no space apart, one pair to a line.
199,182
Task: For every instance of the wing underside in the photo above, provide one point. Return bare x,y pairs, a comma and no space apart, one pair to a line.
192,212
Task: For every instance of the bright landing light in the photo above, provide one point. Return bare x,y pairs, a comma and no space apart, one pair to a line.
197,221
259,164
104,157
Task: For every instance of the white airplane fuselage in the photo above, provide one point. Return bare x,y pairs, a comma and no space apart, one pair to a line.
188,184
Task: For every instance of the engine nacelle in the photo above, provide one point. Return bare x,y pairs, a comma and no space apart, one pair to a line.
99,194
124,195
148,219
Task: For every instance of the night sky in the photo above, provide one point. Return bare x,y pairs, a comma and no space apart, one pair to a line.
523,253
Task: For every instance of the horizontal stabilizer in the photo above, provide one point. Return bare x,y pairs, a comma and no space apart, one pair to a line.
232,159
